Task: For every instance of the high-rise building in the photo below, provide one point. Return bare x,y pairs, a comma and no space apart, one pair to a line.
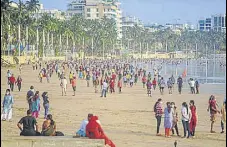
75,7
205,24
219,22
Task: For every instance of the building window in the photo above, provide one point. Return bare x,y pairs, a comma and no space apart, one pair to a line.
97,10
97,15
88,10
88,15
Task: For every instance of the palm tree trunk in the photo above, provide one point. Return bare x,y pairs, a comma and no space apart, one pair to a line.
43,43
37,41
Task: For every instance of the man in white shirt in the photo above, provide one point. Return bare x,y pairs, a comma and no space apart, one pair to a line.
192,85
64,85
104,88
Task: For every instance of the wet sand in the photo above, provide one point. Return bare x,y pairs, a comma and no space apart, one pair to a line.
127,118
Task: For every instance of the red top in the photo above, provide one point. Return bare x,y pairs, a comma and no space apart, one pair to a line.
113,76
144,79
73,82
193,111
154,82
112,84
12,79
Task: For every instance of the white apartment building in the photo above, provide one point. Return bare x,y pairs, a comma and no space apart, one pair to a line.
55,13
219,22
97,9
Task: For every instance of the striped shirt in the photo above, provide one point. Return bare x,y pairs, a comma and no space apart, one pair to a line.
159,110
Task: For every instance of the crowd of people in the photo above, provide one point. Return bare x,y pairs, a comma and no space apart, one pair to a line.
106,76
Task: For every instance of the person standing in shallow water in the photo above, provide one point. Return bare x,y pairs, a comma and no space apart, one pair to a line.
7,106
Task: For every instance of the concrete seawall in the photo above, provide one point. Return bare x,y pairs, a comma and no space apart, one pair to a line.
50,142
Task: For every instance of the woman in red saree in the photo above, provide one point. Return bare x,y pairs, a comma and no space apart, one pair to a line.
95,131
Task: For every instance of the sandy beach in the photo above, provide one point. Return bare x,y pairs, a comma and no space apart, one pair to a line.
128,118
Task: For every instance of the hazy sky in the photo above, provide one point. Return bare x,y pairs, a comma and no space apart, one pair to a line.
161,11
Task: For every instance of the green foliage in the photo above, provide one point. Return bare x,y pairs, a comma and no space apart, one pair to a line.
76,29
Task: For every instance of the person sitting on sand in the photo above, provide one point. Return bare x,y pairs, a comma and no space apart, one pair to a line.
95,131
49,127
30,126
82,131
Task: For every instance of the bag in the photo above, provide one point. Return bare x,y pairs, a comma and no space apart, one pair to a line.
58,133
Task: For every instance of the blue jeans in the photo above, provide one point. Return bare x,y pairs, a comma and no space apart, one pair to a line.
186,128
46,108
103,93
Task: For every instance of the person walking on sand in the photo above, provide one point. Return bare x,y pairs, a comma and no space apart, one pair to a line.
149,87
158,114
144,80
88,78
175,119
197,86
180,84
194,117
192,85
7,106
186,117
36,105
213,111
170,86
119,85
96,84
12,81
30,95
45,104
168,120
154,83
104,88
162,85
18,82
73,82
223,117
63,86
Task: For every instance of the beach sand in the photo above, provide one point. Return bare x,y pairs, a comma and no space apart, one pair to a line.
127,119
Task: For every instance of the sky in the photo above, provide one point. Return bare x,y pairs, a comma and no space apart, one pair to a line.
161,11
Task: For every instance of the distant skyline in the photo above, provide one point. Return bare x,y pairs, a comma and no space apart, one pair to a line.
160,11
